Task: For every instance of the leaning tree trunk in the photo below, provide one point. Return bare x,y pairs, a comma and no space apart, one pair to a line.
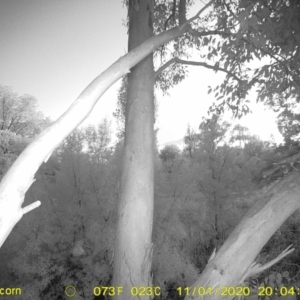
133,252
20,176
233,263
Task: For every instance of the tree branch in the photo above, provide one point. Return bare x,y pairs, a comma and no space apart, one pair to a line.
194,63
200,12
211,32
172,15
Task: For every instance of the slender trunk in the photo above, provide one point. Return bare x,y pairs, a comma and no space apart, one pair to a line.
133,253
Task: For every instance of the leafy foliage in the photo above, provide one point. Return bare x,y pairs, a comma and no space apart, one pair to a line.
171,263
259,29
19,114
19,122
168,156
254,43
202,197
11,145
98,141
70,239
119,113
289,126
226,162
64,240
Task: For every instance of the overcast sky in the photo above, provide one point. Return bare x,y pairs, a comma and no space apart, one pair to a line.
52,49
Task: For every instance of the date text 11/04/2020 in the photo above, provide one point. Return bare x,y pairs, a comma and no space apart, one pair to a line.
240,291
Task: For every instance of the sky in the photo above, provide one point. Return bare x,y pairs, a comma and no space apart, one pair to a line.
54,49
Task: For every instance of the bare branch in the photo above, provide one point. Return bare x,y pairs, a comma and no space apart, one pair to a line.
31,206
256,268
